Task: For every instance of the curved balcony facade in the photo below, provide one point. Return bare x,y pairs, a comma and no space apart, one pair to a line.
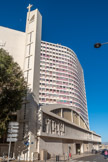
62,78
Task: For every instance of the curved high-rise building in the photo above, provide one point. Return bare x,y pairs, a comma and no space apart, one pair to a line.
62,78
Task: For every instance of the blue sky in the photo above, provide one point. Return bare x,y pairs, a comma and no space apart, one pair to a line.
77,24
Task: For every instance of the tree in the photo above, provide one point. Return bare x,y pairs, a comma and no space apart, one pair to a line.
13,88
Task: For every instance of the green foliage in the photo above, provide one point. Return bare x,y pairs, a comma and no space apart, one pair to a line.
12,88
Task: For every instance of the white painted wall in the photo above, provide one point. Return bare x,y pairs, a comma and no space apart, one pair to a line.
13,42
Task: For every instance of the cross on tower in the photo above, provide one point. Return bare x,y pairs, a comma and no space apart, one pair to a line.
29,7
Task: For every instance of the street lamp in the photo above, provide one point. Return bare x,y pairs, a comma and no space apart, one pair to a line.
98,45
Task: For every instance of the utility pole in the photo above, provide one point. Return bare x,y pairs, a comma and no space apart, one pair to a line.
10,143
12,135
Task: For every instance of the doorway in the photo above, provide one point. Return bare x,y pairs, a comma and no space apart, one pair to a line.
78,148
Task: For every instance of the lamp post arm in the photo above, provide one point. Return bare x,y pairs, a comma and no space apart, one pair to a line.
104,43
98,45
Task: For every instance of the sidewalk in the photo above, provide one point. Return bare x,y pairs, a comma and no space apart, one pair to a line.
81,155
74,157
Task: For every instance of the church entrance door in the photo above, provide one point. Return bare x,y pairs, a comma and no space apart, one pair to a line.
78,148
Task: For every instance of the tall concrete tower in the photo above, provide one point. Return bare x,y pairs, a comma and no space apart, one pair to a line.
32,51
27,116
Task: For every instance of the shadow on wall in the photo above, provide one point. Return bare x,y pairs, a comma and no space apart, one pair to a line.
29,125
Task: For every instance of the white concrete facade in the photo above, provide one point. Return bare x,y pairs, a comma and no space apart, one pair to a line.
13,42
55,109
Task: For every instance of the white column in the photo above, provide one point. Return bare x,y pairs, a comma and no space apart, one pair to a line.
82,149
79,120
72,116
61,112
29,149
